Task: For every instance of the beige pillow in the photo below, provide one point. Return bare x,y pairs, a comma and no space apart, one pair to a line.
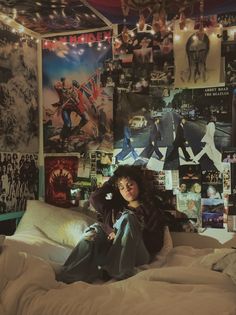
64,226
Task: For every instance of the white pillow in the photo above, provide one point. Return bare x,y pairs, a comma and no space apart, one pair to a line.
38,245
62,225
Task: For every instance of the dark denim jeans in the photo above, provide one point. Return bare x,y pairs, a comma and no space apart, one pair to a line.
117,258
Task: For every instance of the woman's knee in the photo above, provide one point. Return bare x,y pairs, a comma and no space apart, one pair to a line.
93,232
128,224
128,217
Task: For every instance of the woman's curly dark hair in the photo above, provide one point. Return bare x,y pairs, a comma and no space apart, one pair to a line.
137,173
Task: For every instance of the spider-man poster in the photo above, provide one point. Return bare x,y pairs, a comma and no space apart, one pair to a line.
77,109
60,173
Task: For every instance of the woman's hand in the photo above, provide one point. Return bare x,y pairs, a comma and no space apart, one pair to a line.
90,234
111,236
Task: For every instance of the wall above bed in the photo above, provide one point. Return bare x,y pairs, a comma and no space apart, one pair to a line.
91,70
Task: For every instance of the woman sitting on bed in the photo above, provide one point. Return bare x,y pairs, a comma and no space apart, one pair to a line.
131,233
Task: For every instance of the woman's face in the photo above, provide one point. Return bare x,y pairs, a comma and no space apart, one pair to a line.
128,189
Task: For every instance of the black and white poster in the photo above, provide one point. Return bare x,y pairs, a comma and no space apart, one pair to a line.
19,114
19,180
197,58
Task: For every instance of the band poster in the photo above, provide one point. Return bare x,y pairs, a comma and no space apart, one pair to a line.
78,111
19,180
197,58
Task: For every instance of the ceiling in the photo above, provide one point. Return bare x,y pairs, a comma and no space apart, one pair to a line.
112,9
52,16
58,16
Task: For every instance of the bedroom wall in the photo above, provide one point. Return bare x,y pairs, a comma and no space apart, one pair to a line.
95,158
19,119
133,97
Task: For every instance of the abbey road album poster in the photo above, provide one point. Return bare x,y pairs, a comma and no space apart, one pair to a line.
189,126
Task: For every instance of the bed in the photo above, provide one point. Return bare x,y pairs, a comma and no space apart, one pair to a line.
184,281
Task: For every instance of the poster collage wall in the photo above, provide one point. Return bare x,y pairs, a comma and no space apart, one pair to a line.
78,116
172,110
175,103
19,120
126,101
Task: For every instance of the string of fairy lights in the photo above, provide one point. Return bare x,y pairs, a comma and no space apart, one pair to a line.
101,43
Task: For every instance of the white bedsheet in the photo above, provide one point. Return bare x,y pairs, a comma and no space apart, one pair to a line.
183,286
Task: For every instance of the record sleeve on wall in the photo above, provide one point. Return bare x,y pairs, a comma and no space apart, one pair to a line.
60,174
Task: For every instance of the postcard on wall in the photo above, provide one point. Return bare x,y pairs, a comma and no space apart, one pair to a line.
175,179
84,165
60,174
190,178
229,155
212,184
227,178
212,213
190,204
104,164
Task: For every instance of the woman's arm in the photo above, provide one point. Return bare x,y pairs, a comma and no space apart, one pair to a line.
102,198
107,201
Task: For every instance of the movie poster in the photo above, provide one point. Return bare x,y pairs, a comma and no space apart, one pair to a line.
60,174
19,131
19,180
78,110
197,58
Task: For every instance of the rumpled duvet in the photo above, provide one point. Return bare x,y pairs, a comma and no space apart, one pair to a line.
28,287
222,260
